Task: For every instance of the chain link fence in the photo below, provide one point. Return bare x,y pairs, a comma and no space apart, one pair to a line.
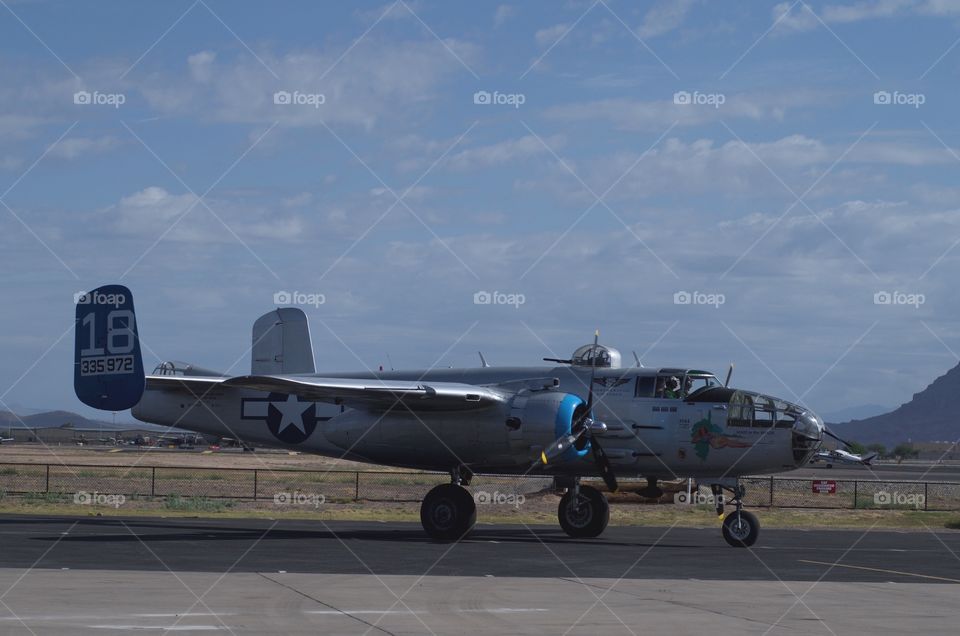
256,484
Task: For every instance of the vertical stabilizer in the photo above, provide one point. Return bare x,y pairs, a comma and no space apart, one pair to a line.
281,343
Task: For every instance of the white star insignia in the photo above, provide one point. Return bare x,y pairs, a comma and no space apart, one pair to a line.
291,413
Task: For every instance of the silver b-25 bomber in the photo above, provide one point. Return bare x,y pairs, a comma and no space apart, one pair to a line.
585,416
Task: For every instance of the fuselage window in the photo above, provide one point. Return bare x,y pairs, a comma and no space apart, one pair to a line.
644,387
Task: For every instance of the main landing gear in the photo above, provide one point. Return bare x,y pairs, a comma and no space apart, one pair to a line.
740,528
583,511
448,512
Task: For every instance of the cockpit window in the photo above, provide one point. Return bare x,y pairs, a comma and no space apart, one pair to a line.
694,383
760,411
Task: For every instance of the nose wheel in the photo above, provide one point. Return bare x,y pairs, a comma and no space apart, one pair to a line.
740,528
583,512
448,512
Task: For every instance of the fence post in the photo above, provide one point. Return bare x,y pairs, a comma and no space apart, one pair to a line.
48,479
255,474
856,484
356,488
153,481
771,491
925,498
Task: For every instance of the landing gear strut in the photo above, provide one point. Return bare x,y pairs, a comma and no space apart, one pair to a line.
583,511
740,528
448,512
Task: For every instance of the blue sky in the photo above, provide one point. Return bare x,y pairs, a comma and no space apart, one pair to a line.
788,162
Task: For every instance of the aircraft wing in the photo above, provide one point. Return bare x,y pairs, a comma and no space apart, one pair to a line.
195,386
376,395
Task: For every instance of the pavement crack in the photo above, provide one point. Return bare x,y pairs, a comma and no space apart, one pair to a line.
327,605
666,601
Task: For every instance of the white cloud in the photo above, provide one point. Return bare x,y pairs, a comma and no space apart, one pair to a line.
154,211
503,13
664,17
298,200
9,162
657,115
201,65
550,35
377,79
502,152
803,17
75,147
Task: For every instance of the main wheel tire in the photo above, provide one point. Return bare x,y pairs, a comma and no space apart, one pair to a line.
585,516
448,512
741,528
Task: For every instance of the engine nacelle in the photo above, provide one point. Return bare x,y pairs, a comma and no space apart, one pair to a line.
505,437
537,420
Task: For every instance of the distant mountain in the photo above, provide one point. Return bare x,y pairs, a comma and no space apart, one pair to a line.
933,415
55,419
860,412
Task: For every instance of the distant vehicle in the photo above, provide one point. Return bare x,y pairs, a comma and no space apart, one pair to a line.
838,456
6,439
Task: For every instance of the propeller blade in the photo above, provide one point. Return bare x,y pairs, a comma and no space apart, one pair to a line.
726,382
603,464
827,431
559,446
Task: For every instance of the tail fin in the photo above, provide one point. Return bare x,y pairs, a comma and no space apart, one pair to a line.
869,458
107,365
281,343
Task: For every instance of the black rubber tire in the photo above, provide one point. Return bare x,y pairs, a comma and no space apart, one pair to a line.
587,520
741,529
448,512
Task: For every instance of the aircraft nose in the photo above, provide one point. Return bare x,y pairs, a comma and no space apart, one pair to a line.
807,437
810,426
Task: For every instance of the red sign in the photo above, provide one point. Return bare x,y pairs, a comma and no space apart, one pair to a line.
825,486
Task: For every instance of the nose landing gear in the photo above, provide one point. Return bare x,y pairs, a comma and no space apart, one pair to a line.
740,528
583,512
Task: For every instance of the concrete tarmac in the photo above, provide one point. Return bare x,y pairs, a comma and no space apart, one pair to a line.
130,575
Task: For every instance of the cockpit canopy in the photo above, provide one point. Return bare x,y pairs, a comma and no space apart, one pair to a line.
178,368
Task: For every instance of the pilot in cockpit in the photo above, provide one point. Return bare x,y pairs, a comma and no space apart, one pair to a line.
672,390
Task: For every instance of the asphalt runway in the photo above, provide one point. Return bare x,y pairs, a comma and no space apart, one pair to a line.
128,575
948,472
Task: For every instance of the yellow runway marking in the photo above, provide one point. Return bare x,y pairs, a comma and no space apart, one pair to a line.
861,567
